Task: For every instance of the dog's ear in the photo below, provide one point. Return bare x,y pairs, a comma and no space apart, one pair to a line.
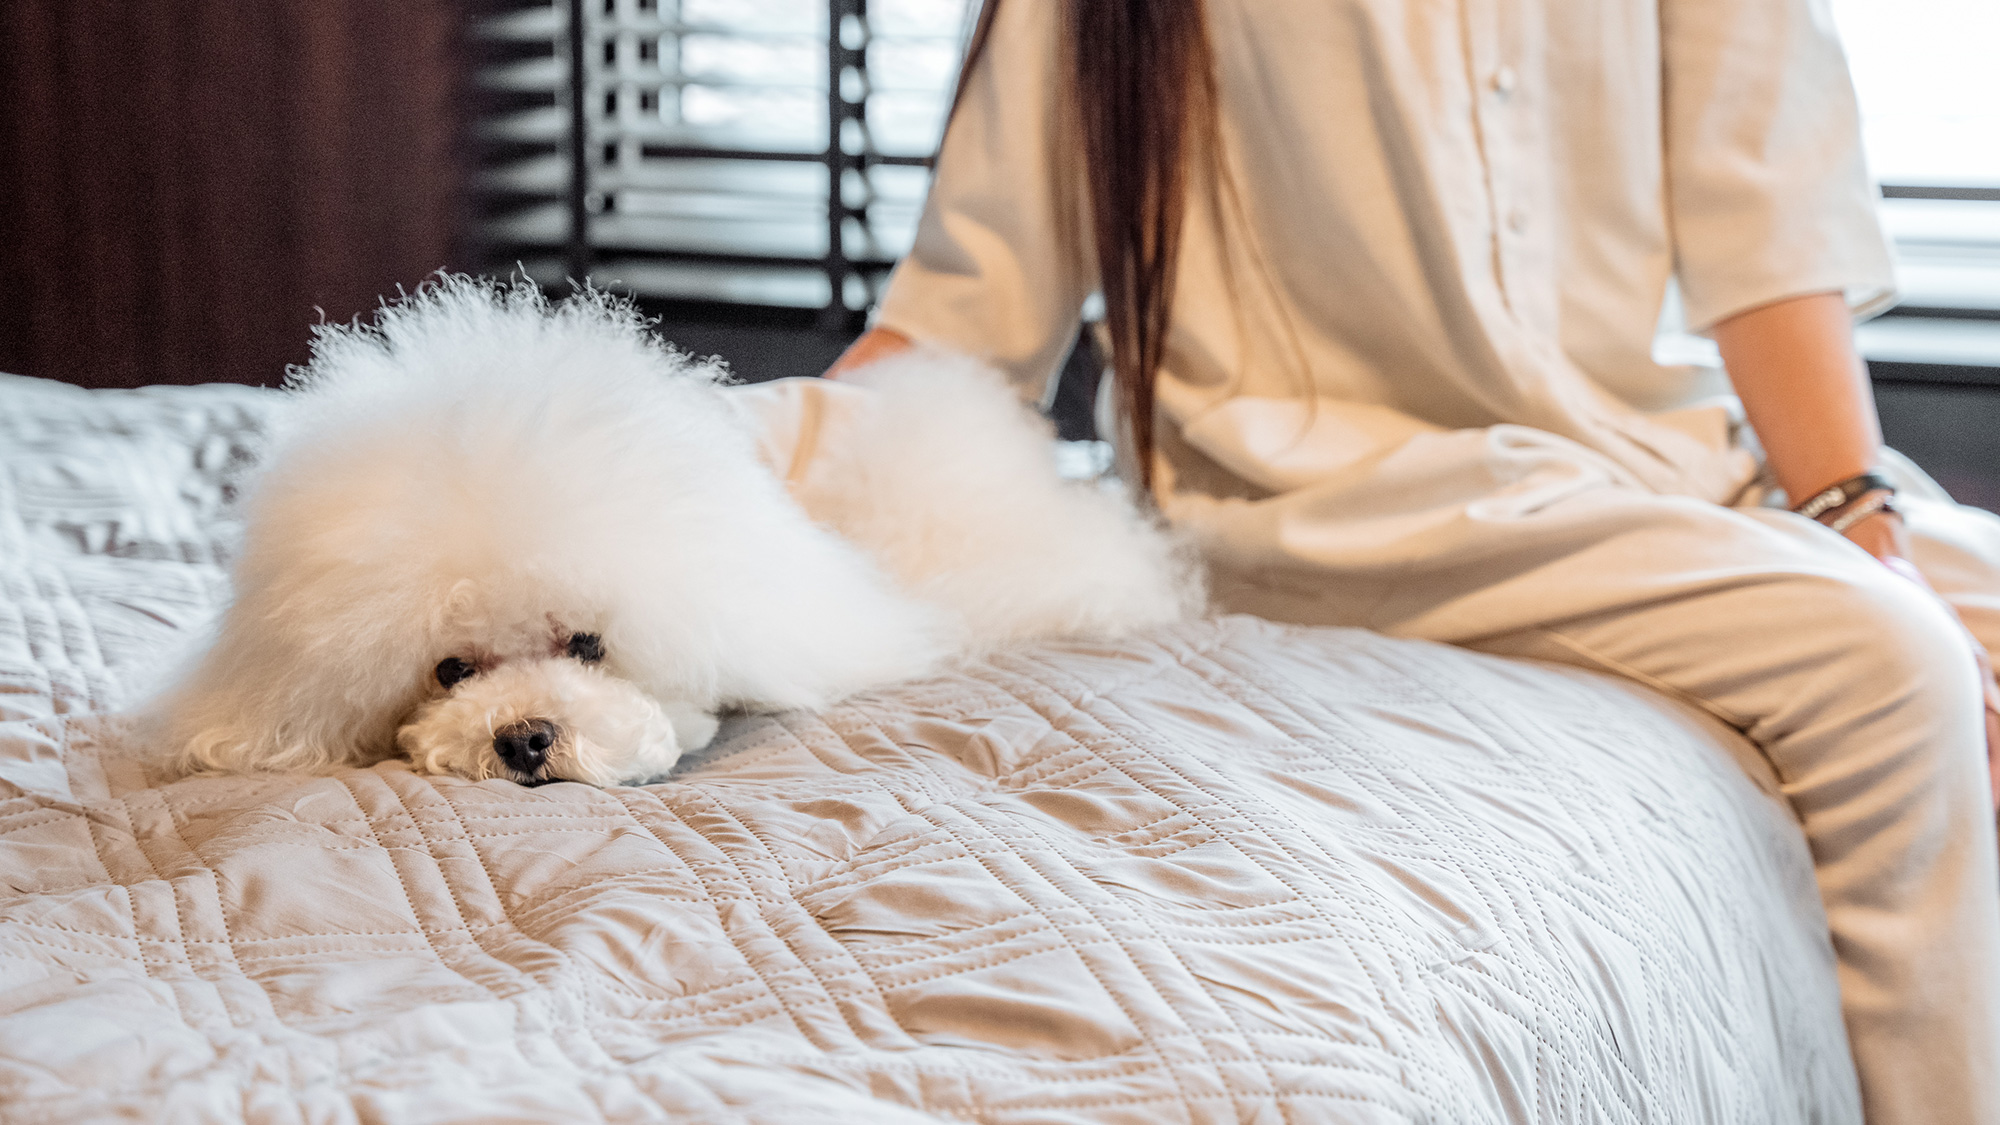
259,702
227,731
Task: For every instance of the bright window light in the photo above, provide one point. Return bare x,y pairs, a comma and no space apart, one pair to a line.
1928,75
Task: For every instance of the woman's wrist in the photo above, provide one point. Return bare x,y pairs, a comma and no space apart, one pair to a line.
1863,508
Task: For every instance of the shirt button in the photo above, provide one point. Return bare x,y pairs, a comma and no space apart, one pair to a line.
1504,81
1517,220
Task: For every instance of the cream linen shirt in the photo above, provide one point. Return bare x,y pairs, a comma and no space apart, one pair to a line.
1431,217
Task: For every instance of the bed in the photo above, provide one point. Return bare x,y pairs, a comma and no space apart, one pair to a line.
1229,871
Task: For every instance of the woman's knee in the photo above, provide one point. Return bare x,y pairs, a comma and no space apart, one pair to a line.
1900,640
1886,687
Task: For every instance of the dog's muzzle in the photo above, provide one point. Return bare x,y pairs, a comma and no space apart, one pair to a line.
524,746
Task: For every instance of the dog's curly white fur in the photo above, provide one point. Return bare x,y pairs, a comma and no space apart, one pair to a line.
510,539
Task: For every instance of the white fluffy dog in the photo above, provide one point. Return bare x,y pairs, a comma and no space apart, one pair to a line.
514,540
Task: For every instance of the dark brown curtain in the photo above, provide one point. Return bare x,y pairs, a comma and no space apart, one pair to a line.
185,182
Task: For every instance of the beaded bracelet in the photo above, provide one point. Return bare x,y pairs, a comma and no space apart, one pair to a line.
1869,504
1846,492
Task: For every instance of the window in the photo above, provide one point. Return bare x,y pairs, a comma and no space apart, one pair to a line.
1930,116
1930,94
765,152
1930,105
772,152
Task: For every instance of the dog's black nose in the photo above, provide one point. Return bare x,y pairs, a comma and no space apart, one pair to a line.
524,746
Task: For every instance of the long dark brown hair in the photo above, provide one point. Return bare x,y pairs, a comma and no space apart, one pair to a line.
1141,98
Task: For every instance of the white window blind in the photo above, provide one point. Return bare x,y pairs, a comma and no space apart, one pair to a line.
765,152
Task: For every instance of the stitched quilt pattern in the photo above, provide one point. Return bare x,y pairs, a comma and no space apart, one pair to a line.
1230,871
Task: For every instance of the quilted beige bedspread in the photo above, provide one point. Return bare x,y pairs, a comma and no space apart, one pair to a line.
1229,872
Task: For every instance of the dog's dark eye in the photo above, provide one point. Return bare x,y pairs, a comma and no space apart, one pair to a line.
587,647
451,669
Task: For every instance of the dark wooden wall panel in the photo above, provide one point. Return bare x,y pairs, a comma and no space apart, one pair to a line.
185,182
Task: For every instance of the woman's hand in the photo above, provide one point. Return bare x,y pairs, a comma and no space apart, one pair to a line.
1992,719
874,344
1884,536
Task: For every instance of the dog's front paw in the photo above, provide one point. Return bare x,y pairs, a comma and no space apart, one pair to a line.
694,728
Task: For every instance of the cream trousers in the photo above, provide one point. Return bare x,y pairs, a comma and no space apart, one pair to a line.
1856,684
1856,688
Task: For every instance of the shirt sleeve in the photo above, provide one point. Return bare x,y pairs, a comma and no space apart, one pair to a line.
995,271
1767,186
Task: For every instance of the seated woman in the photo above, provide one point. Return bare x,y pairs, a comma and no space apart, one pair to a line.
1382,283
